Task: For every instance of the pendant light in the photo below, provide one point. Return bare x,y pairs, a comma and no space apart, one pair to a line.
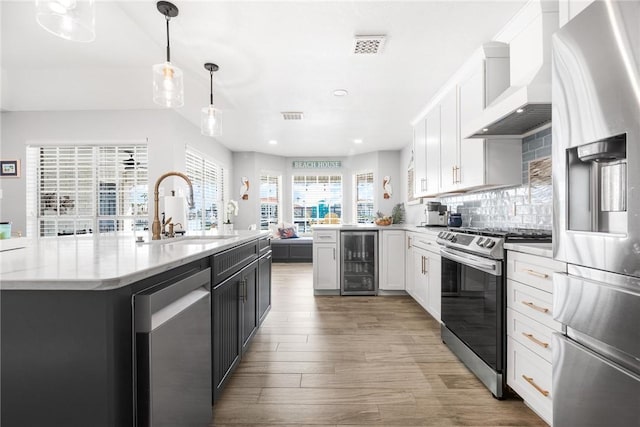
70,19
168,89
210,117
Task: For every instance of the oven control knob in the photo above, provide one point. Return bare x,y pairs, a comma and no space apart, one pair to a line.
479,241
440,234
451,237
489,244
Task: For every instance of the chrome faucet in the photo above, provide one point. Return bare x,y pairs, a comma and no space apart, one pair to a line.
156,228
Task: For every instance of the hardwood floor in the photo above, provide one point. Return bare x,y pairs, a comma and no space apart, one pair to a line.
330,361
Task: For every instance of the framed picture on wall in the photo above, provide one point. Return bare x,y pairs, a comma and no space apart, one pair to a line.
10,168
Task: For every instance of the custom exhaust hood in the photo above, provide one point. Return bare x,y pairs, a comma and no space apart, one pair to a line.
526,104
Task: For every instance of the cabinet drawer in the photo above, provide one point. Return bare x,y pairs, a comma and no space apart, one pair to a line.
533,270
531,334
532,302
228,262
325,236
426,242
530,376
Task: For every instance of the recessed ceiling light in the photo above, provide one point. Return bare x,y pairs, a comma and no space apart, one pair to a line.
520,110
340,92
273,142
485,130
357,141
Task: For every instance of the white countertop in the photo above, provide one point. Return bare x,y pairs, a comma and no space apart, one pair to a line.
405,227
102,262
541,249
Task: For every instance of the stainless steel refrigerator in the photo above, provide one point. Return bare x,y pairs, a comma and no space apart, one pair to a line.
596,227
359,263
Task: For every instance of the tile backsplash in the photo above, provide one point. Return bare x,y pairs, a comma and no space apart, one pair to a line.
526,206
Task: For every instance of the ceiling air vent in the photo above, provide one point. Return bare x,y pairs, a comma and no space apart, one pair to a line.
368,45
292,115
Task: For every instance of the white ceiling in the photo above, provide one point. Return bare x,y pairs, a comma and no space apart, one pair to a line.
273,55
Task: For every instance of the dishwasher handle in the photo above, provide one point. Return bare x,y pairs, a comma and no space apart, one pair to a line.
154,308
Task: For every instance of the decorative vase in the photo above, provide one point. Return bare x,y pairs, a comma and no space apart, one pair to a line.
227,228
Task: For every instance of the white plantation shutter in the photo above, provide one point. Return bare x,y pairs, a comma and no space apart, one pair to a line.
364,197
86,189
208,182
314,197
269,200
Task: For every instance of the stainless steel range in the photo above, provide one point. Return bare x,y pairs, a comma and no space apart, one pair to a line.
473,298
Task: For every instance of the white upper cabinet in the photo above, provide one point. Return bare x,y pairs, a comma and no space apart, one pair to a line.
420,158
470,170
445,161
449,141
433,152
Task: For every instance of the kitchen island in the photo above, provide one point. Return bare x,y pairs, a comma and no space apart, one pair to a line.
67,319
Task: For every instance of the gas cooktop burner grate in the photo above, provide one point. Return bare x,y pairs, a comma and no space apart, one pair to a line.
507,233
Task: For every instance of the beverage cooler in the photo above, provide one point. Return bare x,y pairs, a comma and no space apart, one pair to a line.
359,263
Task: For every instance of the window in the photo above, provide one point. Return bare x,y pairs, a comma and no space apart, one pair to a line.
208,183
269,200
316,200
364,197
84,189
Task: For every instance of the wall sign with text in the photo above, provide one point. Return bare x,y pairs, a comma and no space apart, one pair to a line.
317,164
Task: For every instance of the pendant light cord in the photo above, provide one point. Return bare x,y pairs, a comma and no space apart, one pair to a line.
211,88
168,48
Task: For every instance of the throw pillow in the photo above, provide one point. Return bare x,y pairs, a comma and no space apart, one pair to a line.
287,233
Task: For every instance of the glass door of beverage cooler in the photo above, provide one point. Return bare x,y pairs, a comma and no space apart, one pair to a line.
359,263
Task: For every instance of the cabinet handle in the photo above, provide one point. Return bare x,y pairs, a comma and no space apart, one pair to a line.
453,174
458,180
535,307
334,254
542,391
537,274
536,340
426,263
409,242
242,290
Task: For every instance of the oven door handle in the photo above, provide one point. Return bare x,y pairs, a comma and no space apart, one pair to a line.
488,266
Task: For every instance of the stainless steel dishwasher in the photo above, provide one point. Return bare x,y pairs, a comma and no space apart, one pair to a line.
173,353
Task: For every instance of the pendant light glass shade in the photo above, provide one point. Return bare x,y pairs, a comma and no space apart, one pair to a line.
70,19
210,121
168,87
210,116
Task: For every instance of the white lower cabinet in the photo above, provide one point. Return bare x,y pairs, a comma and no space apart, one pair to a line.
424,271
326,267
420,278
530,376
434,290
392,260
530,326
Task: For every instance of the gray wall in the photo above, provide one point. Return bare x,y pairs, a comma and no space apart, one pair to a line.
166,131
252,165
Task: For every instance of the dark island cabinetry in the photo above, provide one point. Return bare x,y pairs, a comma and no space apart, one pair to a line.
69,354
67,357
240,298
